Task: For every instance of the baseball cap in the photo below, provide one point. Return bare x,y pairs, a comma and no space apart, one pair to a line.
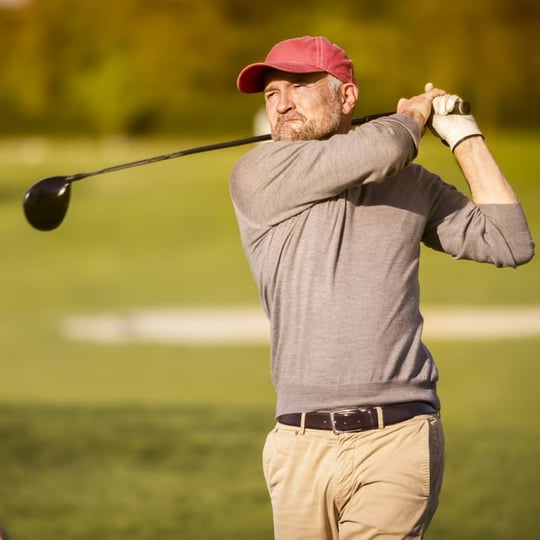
298,55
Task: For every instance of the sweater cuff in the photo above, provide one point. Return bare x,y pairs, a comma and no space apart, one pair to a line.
411,126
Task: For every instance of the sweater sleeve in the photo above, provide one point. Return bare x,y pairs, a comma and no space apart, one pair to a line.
492,233
278,180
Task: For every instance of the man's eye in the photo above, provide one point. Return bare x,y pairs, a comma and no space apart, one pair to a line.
301,86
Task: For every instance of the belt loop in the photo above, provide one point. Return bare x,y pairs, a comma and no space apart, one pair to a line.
302,423
380,417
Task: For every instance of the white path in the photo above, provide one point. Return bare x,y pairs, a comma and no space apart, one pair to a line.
247,325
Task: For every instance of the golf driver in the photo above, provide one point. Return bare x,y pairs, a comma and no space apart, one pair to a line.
46,202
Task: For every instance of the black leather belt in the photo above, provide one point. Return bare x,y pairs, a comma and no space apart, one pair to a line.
358,418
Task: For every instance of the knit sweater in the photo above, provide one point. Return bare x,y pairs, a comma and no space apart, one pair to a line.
332,232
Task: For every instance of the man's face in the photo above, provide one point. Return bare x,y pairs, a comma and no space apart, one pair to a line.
302,106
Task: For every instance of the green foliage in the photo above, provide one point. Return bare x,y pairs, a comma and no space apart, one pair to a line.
132,66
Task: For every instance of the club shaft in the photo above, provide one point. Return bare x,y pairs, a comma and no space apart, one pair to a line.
172,155
199,149
462,107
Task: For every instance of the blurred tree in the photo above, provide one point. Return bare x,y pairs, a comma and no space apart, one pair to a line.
133,66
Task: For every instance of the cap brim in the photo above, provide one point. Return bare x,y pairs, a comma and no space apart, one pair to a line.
252,79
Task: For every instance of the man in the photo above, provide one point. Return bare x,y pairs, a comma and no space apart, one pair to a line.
331,220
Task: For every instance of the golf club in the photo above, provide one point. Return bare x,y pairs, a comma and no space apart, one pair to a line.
46,202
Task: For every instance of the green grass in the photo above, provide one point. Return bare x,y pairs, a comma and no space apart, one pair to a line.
133,472
157,441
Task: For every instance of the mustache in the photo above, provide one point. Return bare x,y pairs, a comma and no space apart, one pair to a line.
287,117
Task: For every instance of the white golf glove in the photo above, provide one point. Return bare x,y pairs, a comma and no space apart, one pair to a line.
449,127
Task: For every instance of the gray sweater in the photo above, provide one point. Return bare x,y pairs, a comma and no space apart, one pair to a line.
332,232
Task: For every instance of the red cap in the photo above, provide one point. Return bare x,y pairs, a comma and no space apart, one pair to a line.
298,55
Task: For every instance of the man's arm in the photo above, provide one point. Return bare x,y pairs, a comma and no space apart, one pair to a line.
278,180
461,133
486,181
501,227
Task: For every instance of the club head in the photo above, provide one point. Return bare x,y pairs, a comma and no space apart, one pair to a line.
46,203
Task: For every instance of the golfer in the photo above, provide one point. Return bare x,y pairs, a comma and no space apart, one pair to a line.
331,220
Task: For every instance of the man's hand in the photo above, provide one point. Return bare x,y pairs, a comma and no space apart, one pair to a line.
419,108
452,128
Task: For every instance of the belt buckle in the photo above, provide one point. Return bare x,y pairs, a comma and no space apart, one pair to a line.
368,410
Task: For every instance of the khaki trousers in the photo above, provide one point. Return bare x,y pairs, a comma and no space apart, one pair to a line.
382,483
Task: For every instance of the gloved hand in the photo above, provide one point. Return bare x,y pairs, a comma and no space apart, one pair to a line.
452,128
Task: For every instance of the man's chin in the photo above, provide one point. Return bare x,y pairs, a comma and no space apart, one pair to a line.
294,136
288,135
298,131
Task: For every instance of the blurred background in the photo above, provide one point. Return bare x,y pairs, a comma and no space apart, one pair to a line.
111,425
169,66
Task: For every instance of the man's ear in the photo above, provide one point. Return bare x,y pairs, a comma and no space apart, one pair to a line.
349,96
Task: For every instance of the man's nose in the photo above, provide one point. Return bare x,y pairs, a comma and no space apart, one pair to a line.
285,102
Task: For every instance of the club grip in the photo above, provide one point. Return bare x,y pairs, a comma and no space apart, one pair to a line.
461,107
